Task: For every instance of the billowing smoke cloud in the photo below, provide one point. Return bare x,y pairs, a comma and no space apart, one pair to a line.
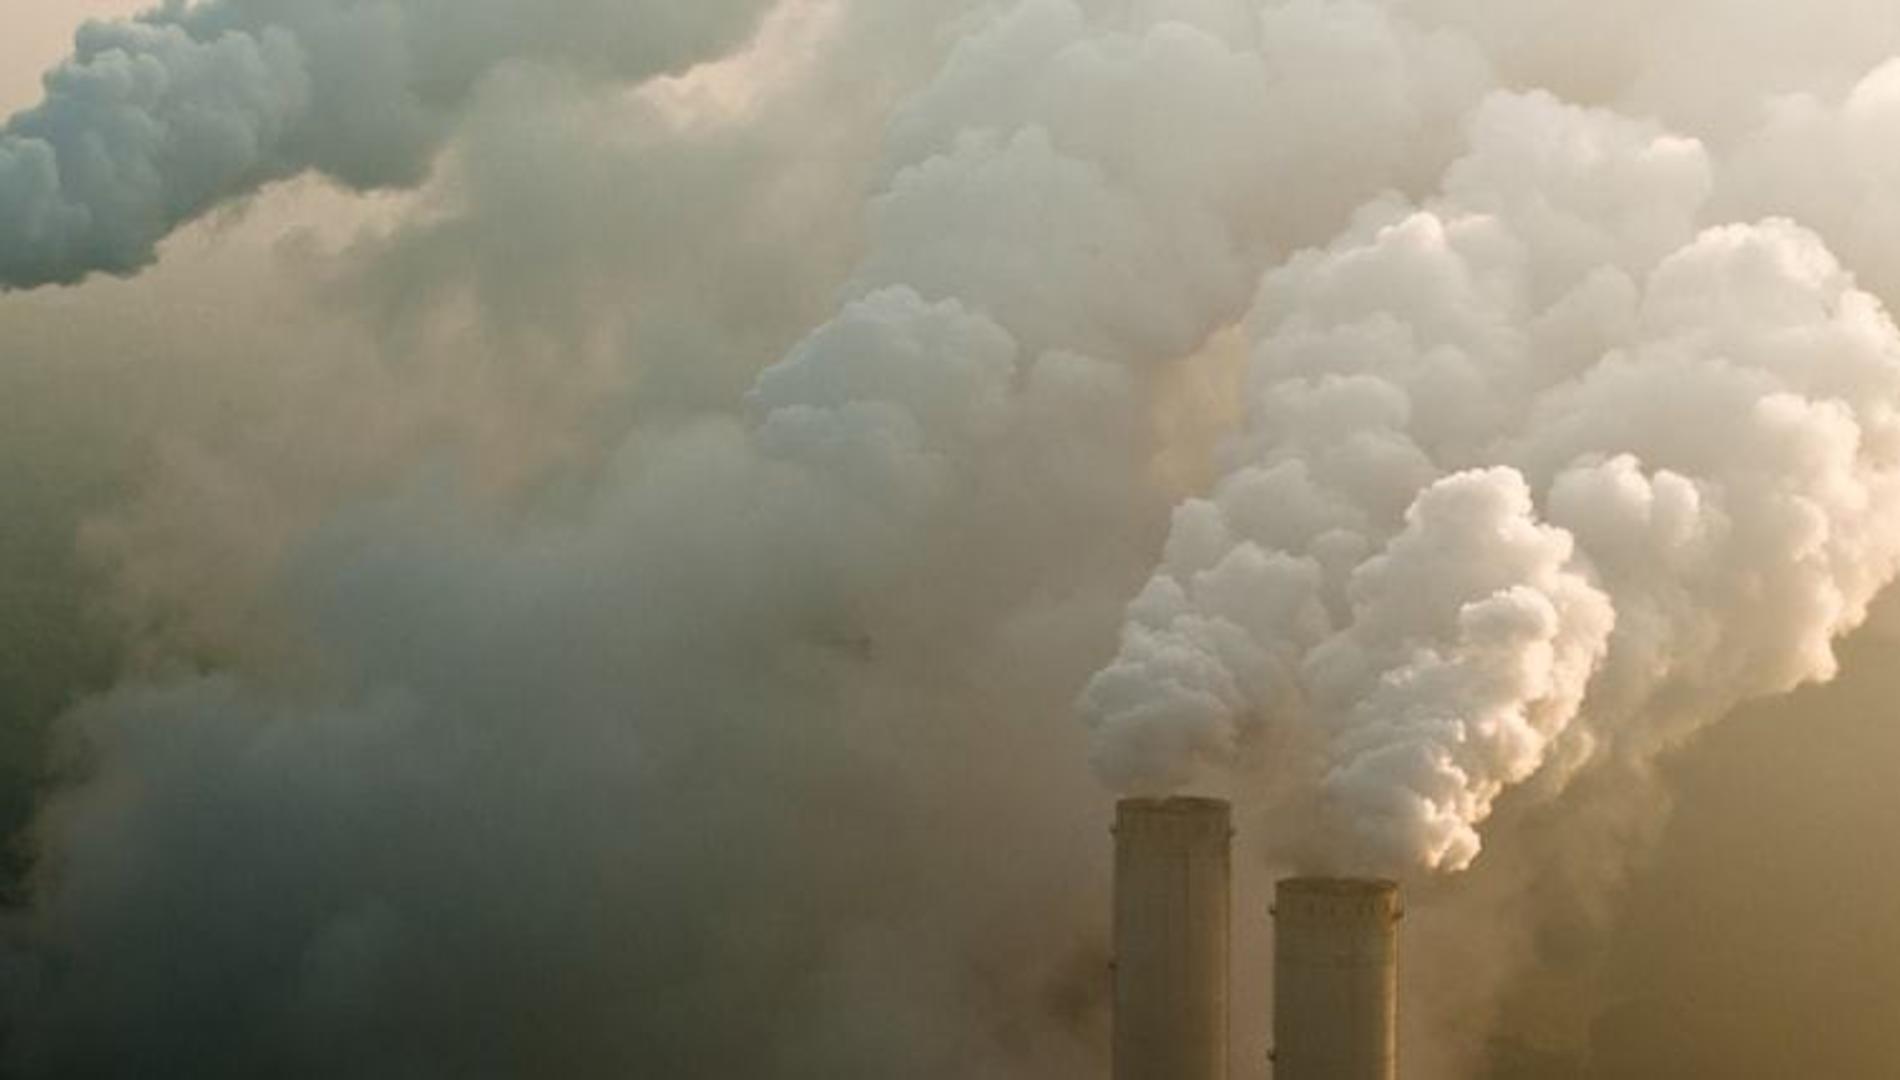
733,736
713,638
154,122
1531,474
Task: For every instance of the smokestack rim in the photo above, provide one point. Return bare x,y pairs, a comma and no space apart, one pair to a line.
1337,886
1196,811
1193,805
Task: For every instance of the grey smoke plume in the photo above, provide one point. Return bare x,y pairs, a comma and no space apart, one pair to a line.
731,737
154,122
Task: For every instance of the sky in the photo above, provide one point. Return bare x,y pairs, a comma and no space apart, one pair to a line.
39,33
530,532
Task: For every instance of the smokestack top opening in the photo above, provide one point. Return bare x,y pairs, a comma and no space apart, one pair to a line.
1339,887
1175,804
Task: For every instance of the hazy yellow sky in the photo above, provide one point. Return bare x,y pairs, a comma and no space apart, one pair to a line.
38,33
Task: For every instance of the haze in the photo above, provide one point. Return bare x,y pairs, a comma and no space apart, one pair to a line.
594,539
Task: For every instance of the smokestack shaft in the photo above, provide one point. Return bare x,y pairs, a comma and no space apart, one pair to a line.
1172,903
1336,980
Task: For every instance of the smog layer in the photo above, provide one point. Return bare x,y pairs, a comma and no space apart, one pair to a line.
601,538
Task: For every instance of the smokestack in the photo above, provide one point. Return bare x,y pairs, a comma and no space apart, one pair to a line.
1172,882
1335,979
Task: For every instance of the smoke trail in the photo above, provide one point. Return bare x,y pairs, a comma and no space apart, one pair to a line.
153,122
1531,439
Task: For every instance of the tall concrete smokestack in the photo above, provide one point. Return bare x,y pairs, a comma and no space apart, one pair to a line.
1335,979
1172,903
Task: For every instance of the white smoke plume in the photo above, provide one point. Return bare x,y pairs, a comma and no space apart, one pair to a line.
155,121
1531,474
734,736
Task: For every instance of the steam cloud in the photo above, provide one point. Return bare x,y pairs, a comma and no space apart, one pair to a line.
1528,477
728,749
